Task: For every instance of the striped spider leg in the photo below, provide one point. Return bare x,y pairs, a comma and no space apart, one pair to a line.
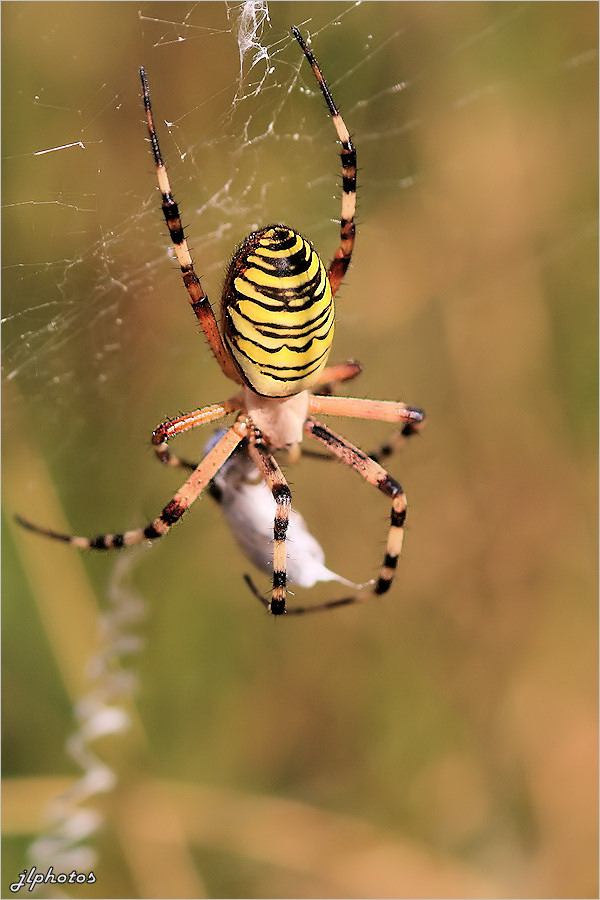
180,424
249,508
198,299
380,410
171,513
275,480
343,254
329,377
342,372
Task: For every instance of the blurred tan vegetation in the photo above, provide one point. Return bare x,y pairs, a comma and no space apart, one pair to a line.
440,742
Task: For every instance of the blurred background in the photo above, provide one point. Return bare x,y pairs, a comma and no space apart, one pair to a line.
441,741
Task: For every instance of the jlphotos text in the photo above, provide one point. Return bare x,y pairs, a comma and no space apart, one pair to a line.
30,878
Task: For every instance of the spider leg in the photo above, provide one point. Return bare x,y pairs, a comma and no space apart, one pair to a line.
275,479
343,254
336,374
393,443
384,451
372,472
409,418
375,475
199,300
172,512
172,427
298,610
325,386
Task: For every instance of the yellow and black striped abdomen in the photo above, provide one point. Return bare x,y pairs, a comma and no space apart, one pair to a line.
277,312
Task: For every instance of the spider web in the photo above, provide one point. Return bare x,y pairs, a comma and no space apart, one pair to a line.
83,292
463,216
91,299
474,271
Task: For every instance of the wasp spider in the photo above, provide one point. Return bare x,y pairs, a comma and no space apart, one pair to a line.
277,322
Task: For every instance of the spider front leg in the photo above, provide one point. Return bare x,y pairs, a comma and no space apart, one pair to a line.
275,479
409,419
198,299
343,254
179,425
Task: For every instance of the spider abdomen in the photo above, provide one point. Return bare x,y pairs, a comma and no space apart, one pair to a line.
277,312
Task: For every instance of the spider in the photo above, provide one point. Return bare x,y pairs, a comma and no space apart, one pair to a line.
277,323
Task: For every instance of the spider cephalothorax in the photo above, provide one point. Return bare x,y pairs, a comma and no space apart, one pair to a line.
277,322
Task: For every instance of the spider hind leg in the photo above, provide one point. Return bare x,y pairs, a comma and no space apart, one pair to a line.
171,513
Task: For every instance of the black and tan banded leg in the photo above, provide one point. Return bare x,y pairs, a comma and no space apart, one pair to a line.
409,419
275,480
343,254
375,475
180,424
198,299
172,512
325,386
372,472
394,442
